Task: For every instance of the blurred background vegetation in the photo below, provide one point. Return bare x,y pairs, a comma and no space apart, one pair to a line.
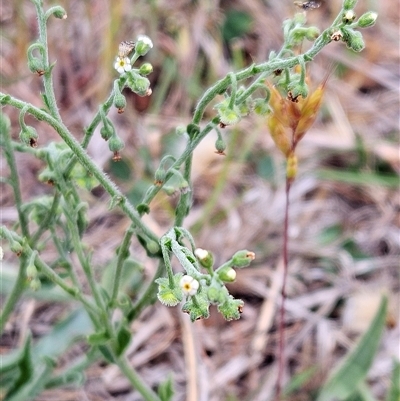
345,205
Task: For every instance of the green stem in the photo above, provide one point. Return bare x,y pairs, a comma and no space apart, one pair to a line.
86,162
147,296
47,78
48,220
15,294
14,181
130,373
123,252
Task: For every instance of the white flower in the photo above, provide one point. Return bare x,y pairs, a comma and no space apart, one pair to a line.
201,253
122,64
189,285
1,253
145,40
143,45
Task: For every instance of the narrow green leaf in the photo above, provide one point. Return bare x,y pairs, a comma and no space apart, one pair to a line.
394,391
25,368
31,388
76,325
123,337
299,380
354,368
359,177
166,390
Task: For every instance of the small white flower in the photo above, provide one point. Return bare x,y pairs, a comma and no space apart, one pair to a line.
122,64
145,40
201,253
189,285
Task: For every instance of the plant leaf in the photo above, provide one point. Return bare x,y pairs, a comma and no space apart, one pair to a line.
354,368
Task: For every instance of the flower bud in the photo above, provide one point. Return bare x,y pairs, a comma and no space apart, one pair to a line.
31,271
143,45
159,176
228,115
36,65
138,84
16,247
35,284
145,69
349,4
312,33
231,309
107,130
353,39
227,274
367,19
242,258
59,12
220,146
205,258
348,17
261,106
115,144
29,136
119,102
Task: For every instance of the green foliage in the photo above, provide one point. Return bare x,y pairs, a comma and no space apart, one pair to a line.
351,372
59,220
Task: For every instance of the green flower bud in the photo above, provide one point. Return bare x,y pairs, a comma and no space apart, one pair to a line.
169,190
205,258
119,102
227,274
107,132
31,271
35,284
348,17
227,115
312,33
261,107
145,69
367,19
36,66
152,247
58,12
242,258
16,247
159,176
220,146
231,308
138,84
115,144
29,136
197,307
184,186
180,130
143,45
353,39
215,295
349,4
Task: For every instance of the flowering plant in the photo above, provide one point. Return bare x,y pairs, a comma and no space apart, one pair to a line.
289,110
